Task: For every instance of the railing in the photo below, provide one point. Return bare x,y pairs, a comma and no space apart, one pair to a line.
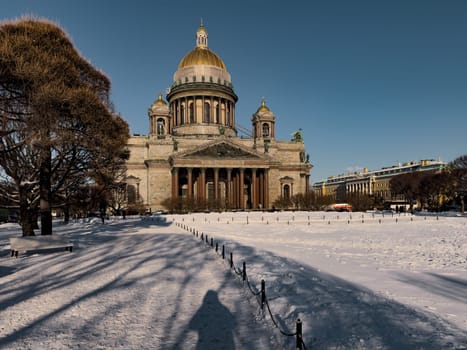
260,294
329,218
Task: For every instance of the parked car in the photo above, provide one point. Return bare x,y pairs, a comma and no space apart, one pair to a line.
339,207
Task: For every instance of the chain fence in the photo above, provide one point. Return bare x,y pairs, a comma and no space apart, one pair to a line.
259,294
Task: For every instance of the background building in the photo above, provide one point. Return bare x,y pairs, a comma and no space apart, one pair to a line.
193,151
374,183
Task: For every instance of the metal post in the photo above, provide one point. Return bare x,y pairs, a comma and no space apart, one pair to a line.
299,334
223,252
263,294
244,272
231,260
212,242
217,247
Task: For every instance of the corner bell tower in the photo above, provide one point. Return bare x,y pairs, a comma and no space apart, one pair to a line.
159,119
263,123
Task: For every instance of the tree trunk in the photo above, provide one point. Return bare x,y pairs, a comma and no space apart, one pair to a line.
45,193
66,213
26,219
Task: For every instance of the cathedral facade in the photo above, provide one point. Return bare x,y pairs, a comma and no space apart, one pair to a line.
193,152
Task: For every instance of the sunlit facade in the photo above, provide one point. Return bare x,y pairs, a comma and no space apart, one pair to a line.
193,150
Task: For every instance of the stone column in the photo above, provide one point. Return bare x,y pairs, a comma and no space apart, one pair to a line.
254,198
233,114
203,183
174,183
198,185
237,190
261,188
228,189
233,199
216,183
266,188
212,111
202,109
190,182
241,189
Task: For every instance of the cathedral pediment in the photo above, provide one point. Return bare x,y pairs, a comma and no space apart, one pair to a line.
223,150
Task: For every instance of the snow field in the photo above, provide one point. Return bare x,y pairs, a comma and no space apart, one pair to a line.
355,282
399,283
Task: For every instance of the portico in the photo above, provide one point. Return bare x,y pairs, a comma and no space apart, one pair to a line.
224,173
231,188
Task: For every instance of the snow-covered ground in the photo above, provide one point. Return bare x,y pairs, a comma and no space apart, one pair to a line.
357,281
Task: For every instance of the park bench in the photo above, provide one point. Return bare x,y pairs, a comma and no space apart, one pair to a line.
33,243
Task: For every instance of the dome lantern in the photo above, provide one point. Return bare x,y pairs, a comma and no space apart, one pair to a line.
201,36
201,54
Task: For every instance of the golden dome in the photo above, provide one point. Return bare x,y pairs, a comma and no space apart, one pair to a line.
201,56
158,107
160,101
263,107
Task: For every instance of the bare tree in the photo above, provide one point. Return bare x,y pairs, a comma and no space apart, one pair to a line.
56,118
458,173
407,186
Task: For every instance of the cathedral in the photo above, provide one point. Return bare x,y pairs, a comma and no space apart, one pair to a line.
193,153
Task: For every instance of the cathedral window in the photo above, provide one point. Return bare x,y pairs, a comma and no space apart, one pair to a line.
192,113
131,194
160,126
265,130
217,114
182,113
207,112
287,191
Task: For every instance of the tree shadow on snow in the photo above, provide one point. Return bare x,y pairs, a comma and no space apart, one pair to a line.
344,315
169,255
445,286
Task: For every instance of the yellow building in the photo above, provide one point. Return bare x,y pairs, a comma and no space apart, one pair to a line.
374,183
193,152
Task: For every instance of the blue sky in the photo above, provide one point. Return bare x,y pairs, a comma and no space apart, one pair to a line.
371,83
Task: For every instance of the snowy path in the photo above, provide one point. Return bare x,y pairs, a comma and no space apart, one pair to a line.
126,287
395,284
389,285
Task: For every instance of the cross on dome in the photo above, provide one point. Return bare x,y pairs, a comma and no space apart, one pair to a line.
201,36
